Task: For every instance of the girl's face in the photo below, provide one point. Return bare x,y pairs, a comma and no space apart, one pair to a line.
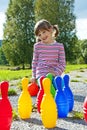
45,36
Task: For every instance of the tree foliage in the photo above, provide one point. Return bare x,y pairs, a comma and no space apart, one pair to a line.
3,60
60,12
18,32
83,49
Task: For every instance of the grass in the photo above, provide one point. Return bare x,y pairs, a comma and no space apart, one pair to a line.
15,115
74,80
85,80
7,74
11,92
78,76
13,75
77,115
75,67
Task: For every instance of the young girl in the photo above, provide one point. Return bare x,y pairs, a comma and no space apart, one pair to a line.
48,55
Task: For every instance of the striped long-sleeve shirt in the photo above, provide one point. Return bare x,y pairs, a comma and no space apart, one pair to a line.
46,56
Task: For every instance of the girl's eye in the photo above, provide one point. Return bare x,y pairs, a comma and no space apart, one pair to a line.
43,31
39,35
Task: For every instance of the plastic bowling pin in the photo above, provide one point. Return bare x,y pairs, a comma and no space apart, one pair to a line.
61,99
40,93
24,101
50,76
48,106
5,107
68,92
85,109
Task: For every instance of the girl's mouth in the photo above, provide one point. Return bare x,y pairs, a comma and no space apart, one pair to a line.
45,38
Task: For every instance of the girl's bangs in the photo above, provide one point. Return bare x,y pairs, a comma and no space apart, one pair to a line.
39,28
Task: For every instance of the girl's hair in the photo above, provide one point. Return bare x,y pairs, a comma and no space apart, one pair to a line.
44,24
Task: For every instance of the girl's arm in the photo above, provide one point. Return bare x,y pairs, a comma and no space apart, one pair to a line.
34,62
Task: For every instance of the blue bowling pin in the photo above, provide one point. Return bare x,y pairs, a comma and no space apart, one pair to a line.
68,92
61,99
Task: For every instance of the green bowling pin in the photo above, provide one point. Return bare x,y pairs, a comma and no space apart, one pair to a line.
52,89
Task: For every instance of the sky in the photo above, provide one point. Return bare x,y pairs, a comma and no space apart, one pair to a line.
81,18
80,12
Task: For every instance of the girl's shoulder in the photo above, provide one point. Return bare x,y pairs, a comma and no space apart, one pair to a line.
59,44
37,43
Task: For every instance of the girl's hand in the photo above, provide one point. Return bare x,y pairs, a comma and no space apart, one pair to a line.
33,80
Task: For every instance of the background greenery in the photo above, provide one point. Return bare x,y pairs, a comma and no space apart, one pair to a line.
21,16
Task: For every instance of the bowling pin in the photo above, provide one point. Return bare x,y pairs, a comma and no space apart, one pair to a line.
85,109
68,92
48,106
5,107
53,91
24,101
40,93
61,99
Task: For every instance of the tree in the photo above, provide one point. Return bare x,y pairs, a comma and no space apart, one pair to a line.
18,32
60,12
84,50
3,60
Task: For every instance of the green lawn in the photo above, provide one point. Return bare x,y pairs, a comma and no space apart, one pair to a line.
13,75
7,74
75,67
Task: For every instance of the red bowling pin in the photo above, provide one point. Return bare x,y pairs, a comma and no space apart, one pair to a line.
85,109
5,107
40,93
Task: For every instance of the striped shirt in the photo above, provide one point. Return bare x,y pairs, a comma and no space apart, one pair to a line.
46,56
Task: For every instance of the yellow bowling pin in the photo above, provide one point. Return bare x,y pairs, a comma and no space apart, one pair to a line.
24,101
48,106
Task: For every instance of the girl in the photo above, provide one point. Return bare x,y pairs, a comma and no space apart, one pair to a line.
48,55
